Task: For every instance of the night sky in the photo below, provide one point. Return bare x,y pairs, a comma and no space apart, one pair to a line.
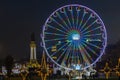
20,18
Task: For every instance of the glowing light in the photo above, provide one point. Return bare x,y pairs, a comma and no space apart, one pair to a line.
78,67
87,40
75,36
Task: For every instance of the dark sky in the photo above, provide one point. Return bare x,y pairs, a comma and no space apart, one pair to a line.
19,18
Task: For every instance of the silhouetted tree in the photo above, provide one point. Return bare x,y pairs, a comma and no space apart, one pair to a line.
9,65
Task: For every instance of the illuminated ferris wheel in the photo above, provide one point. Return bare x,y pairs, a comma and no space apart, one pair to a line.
75,35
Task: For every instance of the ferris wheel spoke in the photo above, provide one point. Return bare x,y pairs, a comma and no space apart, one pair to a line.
74,55
64,59
94,35
57,39
56,28
72,17
65,13
85,23
77,18
89,56
59,24
79,25
91,30
64,22
75,51
92,44
50,47
59,49
89,26
49,33
63,53
83,55
68,55
90,49
79,56
91,40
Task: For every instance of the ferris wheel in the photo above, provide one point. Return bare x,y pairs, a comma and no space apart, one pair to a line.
75,35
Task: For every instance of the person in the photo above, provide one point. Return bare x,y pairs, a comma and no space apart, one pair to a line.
93,73
118,76
84,74
1,76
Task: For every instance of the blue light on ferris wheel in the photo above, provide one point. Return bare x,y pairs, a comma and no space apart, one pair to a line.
75,36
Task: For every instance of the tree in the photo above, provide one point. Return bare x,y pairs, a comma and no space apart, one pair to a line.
9,64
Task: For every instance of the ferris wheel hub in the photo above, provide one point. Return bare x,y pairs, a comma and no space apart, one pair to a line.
76,37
